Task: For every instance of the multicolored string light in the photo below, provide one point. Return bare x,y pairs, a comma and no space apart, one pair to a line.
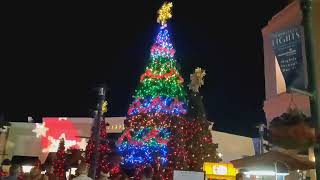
146,143
160,81
155,135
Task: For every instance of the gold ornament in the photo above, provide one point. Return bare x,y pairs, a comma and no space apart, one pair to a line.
164,13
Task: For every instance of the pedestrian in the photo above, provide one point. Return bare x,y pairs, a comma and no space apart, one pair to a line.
240,176
104,176
49,173
5,166
83,172
13,172
35,174
147,173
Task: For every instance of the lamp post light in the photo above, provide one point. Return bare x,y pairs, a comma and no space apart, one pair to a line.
96,131
313,76
261,128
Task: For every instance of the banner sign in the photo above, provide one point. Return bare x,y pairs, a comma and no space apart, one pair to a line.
288,47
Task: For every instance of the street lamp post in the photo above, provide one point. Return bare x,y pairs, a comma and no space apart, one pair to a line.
313,81
96,132
261,128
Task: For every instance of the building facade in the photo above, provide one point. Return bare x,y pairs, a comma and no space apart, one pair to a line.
278,101
39,139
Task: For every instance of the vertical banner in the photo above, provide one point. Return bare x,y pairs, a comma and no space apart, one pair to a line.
288,47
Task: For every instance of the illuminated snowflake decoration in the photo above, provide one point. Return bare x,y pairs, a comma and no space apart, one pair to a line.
54,143
82,144
40,130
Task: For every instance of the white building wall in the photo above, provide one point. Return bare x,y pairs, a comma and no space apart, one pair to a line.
22,141
233,146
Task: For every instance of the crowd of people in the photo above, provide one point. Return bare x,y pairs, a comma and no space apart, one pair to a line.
14,172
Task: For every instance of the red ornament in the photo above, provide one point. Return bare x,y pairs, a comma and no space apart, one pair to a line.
59,162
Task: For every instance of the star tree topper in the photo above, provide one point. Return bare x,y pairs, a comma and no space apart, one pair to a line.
164,13
197,79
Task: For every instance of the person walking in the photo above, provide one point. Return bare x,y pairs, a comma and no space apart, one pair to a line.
147,174
35,174
240,176
83,172
104,176
13,173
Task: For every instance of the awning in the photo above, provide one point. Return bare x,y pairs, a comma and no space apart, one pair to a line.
25,160
291,161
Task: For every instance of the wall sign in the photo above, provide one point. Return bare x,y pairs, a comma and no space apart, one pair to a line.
288,47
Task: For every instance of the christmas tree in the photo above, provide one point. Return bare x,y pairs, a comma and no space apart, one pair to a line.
156,132
59,162
104,147
200,147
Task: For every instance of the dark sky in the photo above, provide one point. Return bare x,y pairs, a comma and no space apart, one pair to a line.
55,54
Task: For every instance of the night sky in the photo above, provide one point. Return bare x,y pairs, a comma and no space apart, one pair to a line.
55,55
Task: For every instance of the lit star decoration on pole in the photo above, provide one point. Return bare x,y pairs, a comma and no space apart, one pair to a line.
104,107
40,130
164,13
197,79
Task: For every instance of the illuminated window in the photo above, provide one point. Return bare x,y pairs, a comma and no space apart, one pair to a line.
220,170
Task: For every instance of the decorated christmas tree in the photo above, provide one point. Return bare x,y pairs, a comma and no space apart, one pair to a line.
104,147
59,162
156,129
200,147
